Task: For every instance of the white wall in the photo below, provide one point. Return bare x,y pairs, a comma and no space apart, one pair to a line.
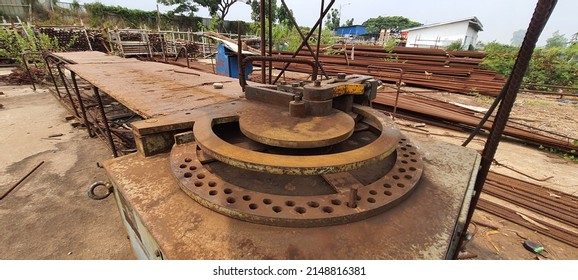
442,35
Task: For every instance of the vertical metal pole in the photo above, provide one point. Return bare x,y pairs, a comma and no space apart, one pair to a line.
319,33
270,41
262,21
52,76
67,90
105,121
81,104
25,60
541,15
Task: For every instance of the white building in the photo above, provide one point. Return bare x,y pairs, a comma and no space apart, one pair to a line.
440,35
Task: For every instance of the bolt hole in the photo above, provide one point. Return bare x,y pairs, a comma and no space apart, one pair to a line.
404,162
403,139
413,160
405,155
201,176
408,177
395,177
193,168
300,210
334,202
198,183
188,160
212,184
408,145
400,185
403,148
412,168
402,170
213,192
188,175
388,193
228,191
268,201
230,200
277,209
373,192
327,209
387,185
183,166
412,153
246,197
290,203
253,206
371,200
313,204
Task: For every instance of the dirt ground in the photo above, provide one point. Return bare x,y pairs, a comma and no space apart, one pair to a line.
49,215
543,112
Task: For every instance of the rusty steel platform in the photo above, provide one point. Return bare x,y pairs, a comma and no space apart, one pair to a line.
150,89
175,227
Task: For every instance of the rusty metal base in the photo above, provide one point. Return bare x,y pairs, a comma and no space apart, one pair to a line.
423,226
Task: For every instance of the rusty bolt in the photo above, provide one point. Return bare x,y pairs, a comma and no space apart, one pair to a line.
341,76
296,84
317,83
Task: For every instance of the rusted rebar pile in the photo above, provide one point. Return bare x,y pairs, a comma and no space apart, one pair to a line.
439,112
453,71
534,199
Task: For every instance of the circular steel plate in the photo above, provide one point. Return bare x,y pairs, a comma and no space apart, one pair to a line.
279,129
236,156
296,211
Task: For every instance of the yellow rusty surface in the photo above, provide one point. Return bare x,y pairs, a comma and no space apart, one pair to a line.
354,89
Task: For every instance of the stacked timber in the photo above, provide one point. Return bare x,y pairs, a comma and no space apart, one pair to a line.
452,71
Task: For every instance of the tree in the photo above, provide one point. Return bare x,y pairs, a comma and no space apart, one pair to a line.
283,16
256,10
349,22
556,41
395,23
184,7
518,38
218,8
333,19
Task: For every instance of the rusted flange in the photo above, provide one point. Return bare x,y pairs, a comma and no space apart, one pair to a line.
296,211
236,156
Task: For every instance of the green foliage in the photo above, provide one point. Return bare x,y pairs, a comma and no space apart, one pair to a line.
556,41
349,22
395,23
518,37
333,19
500,57
551,66
572,156
283,16
455,46
256,11
15,43
100,14
184,7
287,38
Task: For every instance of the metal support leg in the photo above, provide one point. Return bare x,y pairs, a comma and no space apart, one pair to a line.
105,121
67,90
52,76
25,61
81,104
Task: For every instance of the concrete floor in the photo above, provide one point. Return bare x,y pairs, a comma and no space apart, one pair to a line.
49,215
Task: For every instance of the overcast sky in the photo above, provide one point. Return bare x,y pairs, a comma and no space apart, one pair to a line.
499,17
